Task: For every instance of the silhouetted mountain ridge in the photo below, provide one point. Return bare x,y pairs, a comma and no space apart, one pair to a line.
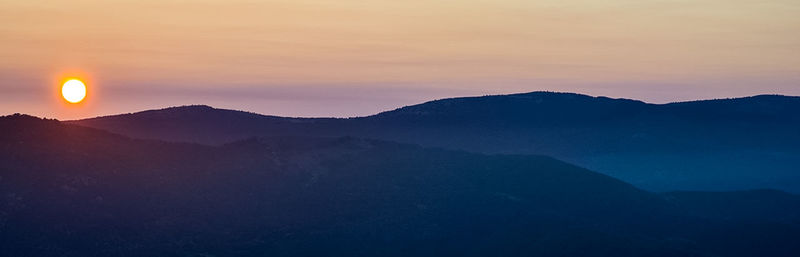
75,191
536,108
723,144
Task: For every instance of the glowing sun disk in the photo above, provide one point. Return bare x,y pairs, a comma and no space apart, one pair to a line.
73,91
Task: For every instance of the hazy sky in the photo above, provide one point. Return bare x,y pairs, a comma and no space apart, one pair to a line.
357,57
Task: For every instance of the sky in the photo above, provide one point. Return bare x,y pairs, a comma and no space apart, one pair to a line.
344,58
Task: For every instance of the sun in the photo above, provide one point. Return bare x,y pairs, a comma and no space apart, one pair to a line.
74,91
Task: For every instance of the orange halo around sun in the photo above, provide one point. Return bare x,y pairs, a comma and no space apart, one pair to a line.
73,91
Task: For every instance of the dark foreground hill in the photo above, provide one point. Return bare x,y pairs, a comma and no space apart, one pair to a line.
727,144
74,191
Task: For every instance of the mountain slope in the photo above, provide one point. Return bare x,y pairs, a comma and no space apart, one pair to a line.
77,191
196,123
726,144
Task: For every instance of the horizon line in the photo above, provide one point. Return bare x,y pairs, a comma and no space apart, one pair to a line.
390,110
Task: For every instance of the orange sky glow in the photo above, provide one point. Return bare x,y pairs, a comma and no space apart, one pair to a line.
354,57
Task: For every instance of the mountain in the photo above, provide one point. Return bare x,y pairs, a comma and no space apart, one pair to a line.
75,191
749,206
725,144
